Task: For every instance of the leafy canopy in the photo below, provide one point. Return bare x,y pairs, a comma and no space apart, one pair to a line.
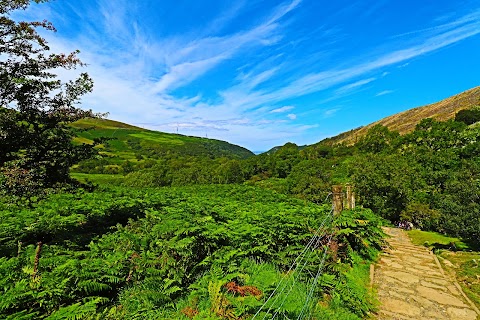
35,106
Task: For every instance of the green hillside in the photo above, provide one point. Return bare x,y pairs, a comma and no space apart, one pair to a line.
133,143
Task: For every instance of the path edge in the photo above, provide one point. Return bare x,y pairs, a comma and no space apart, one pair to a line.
457,285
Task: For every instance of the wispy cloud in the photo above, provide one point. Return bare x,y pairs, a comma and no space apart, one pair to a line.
140,78
282,109
382,93
353,86
188,60
331,112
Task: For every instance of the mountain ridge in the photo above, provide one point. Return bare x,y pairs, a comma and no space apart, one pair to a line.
405,121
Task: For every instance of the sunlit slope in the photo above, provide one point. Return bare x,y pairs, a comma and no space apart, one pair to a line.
129,141
406,121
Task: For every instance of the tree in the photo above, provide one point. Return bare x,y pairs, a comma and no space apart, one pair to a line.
36,107
468,116
378,139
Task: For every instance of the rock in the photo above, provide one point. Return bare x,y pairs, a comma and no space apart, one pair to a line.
433,286
436,315
405,290
422,301
448,263
453,290
396,295
439,281
402,307
404,277
440,297
461,314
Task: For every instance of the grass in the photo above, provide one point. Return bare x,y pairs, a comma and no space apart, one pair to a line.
131,140
406,121
101,179
464,263
466,266
152,136
435,240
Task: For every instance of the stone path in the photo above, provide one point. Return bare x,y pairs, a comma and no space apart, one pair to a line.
412,285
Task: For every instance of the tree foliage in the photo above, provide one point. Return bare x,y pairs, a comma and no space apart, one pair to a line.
36,107
468,116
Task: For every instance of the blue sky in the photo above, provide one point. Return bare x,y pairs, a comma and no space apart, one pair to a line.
262,73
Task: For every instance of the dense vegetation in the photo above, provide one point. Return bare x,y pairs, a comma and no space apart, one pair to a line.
213,252
126,145
406,121
429,177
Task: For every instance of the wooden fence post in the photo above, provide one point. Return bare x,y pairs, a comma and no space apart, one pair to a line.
350,197
337,199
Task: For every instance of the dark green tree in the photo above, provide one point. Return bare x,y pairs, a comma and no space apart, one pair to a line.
36,107
468,116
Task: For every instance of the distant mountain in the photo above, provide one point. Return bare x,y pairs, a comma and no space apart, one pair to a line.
406,121
129,142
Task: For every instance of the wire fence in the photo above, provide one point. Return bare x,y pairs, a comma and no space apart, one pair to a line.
317,247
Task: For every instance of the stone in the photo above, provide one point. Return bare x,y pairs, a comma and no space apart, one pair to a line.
440,297
448,263
396,295
439,281
402,307
422,301
453,290
425,268
436,315
391,263
461,314
405,290
433,286
392,316
403,277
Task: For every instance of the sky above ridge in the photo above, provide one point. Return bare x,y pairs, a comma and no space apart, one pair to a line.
263,73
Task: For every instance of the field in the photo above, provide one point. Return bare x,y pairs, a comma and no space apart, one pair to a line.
129,142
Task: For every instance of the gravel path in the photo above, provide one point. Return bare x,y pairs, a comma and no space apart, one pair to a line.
412,285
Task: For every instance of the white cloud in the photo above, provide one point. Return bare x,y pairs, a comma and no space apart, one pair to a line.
331,112
382,93
282,109
292,116
134,78
352,86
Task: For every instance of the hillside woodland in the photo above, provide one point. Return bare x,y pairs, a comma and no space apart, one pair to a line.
429,177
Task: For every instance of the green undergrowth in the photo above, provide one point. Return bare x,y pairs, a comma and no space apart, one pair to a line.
203,252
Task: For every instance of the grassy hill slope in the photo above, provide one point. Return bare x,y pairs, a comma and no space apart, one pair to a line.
406,121
130,142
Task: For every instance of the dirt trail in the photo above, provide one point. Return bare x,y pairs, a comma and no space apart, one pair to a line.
412,285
